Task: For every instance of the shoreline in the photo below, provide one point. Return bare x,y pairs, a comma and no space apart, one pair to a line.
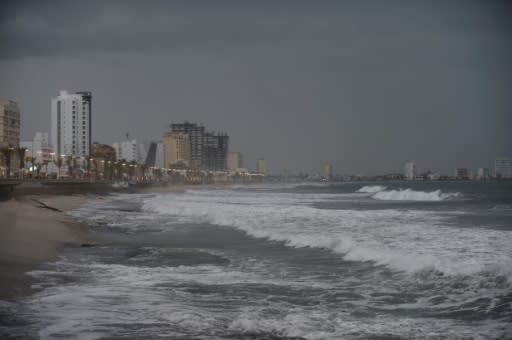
35,229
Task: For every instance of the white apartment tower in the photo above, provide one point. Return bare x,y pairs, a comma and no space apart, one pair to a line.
127,150
71,123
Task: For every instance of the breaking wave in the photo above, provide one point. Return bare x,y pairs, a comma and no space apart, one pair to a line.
372,189
412,195
409,241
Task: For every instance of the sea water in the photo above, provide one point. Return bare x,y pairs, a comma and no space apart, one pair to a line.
393,260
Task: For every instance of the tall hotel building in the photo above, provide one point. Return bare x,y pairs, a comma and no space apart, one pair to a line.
71,123
196,136
176,148
9,124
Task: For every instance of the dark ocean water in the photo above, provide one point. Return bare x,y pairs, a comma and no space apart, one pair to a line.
330,261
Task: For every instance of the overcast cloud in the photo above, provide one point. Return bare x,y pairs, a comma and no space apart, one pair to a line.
365,85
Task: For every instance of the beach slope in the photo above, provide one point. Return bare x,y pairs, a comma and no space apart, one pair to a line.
33,229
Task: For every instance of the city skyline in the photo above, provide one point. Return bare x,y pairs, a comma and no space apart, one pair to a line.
345,83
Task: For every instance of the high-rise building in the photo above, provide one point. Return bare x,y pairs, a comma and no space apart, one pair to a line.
176,148
261,166
38,149
215,151
196,135
207,150
326,170
9,137
127,150
235,161
71,123
410,170
503,167
9,124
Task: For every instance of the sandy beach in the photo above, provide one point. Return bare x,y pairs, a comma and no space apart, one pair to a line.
33,229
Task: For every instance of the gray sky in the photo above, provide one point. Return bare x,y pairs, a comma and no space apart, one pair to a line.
366,85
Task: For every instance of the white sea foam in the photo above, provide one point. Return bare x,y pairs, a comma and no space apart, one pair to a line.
371,188
406,240
461,265
316,324
412,195
158,301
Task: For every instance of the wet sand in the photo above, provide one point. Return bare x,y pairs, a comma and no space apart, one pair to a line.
34,229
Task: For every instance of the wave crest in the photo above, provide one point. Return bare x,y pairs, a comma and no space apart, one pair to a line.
371,189
412,195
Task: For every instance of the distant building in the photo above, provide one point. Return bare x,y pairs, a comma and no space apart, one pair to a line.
102,155
261,166
462,173
433,176
9,124
9,136
483,173
207,150
410,171
159,155
38,149
176,148
142,151
215,151
103,152
195,133
503,167
326,170
127,150
235,161
71,123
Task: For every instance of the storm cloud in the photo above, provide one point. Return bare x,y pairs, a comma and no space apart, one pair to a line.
365,85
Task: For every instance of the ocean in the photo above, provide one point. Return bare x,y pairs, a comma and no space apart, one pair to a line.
390,260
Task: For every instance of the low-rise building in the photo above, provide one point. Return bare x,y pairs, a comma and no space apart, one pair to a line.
235,161
261,166
483,173
326,170
462,173
38,150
